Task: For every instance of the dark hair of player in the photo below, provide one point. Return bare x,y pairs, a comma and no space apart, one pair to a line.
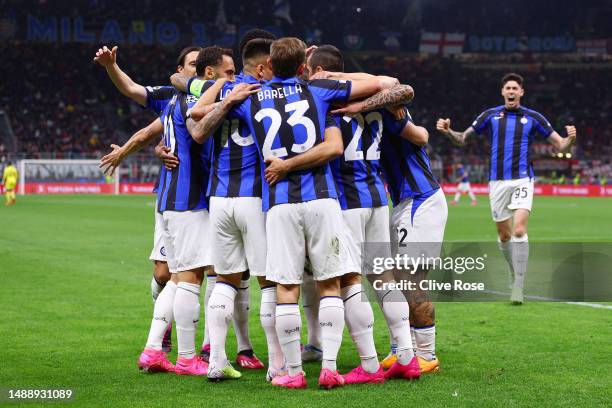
211,57
287,55
252,35
512,77
256,48
180,61
327,57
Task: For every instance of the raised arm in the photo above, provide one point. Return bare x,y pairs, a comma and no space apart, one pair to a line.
138,140
331,147
458,138
108,59
563,144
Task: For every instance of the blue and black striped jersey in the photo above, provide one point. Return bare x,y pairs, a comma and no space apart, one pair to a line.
357,171
184,187
236,167
405,165
511,133
288,117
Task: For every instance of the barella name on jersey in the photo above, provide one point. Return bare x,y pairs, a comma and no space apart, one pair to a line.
279,93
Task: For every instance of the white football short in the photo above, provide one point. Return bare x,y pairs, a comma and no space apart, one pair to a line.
315,226
186,239
158,253
506,196
369,238
418,223
464,187
238,235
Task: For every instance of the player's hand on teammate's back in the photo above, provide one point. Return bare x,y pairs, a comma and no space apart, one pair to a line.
179,81
169,160
241,92
443,125
111,161
106,57
276,170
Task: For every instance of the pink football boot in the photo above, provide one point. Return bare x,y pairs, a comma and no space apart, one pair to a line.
248,360
290,381
360,376
155,361
191,366
330,379
411,371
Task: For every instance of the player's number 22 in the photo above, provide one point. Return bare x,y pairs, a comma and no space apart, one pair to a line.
297,118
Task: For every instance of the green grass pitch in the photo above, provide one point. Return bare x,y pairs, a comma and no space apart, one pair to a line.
76,307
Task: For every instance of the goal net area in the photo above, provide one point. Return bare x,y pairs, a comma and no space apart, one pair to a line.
83,176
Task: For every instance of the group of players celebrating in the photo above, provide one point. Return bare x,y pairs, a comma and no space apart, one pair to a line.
279,172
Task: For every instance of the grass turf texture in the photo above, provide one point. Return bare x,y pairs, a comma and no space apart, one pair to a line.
76,309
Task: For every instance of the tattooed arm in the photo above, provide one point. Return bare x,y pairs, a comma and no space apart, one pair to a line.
396,95
202,129
458,138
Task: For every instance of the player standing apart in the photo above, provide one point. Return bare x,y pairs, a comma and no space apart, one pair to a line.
511,128
9,179
464,186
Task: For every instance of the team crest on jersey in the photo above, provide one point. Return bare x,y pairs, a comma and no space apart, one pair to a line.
524,121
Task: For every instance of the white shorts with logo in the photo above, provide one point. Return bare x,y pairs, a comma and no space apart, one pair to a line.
464,187
417,225
186,239
368,233
509,195
158,253
315,226
238,235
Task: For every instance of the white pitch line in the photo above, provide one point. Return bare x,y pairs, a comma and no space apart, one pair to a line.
549,299
595,305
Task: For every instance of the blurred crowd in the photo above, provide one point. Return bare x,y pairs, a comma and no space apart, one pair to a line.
60,104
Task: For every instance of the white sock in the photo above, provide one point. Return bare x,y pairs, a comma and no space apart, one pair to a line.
413,339
267,316
506,249
425,338
187,315
310,302
288,329
457,196
156,289
359,319
331,320
220,314
520,256
397,314
472,196
163,313
241,317
210,285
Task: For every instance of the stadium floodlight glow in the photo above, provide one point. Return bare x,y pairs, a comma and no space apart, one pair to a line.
65,176
560,155
568,155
